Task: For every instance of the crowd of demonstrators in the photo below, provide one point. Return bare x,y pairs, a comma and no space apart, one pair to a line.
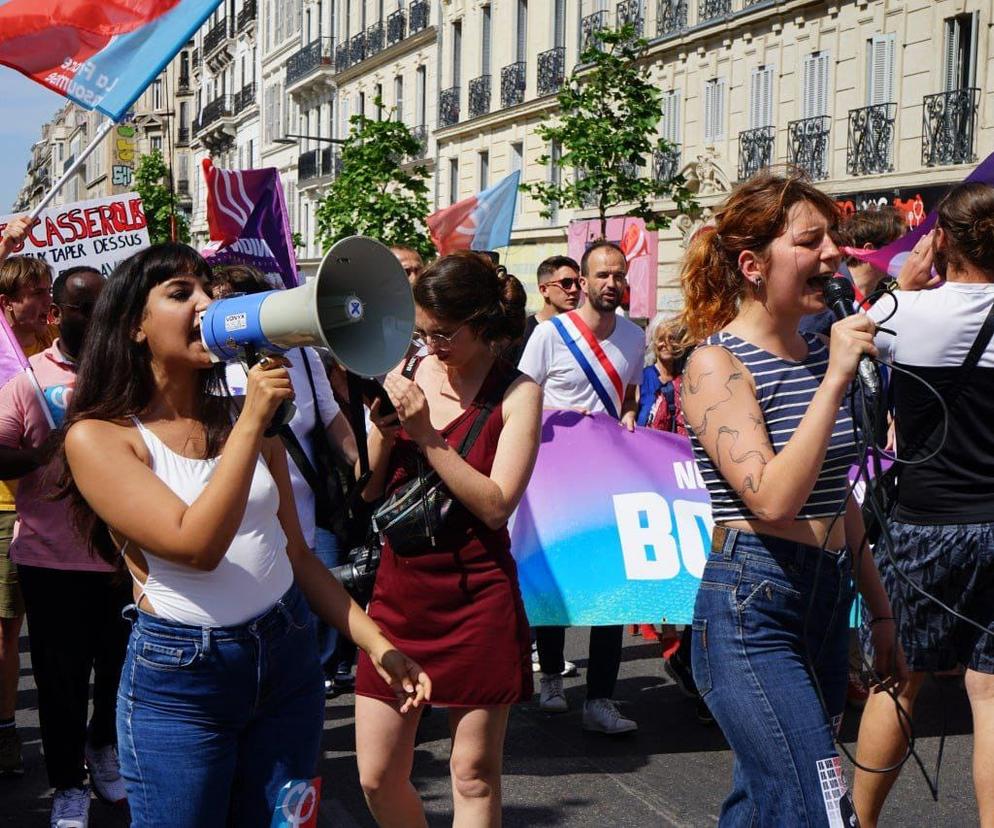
322,432
773,441
943,524
558,356
453,600
221,698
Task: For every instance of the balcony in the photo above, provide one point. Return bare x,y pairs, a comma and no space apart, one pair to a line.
713,9
630,11
808,145
671,17
221,107
357,48
512,84
308,165
590,24
756,150
871,139
195,60
183,186
551,71
666,163
420,134
395,27
949,122
308,60
330,162
418,17
448,107
246,17
374,39
245,98
342,57
183,84
479,96
215,37
182,136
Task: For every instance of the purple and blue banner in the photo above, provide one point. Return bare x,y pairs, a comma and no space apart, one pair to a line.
615,527
102,54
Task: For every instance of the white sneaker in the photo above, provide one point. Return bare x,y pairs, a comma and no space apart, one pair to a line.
105,774
552,698
602,716
71,808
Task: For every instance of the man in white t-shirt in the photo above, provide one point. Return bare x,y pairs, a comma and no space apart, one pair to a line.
589,359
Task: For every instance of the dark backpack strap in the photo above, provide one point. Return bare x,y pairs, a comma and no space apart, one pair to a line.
314,390
491,400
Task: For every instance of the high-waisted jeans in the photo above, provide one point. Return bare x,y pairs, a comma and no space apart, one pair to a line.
213,721
771,622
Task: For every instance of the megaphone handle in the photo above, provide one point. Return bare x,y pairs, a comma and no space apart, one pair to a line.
286,408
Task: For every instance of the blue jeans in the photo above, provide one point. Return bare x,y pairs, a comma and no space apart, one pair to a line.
772,619
328,549
212,722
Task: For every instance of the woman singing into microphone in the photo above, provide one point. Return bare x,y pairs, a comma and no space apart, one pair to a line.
767,412
222,697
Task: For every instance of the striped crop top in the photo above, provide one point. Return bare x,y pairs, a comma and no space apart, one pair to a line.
784,390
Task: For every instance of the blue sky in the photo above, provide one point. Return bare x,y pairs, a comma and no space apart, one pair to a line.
24,107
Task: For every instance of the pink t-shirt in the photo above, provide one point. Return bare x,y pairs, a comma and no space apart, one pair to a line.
43,535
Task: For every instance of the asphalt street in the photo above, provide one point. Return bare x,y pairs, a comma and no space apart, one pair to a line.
673,772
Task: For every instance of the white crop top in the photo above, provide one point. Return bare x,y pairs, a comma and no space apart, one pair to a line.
255,571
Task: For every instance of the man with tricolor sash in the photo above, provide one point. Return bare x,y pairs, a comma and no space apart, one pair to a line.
589,359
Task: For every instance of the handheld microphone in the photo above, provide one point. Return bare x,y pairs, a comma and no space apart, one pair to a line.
839,297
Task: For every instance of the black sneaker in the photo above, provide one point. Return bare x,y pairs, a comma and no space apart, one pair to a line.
678,669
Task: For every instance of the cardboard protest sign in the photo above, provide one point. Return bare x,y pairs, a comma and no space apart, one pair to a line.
97,233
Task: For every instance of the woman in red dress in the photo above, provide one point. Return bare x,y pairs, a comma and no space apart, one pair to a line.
455,607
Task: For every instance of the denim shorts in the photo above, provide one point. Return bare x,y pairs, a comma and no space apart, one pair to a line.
771,628
213,721
955,563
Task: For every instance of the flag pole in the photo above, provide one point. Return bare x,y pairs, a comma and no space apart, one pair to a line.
105,128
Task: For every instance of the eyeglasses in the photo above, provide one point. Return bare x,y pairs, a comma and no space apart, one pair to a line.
436,340
568,283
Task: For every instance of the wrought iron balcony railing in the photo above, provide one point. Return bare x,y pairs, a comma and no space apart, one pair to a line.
671,16
216,36
949,122
713,9
590,24
374,38
666,163
184,82
357,48
183,186
418,11
220,107
448,107
330,162
871,139
808,145
420,134
314,55
308,165
551,70
630,11
342,57
245,98
195,60
183,136
479,96
756,148
395,27
246,17
512,84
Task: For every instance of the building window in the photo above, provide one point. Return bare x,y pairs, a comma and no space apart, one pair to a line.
671,117
453,180
714,110
398,98
485,37
517,164
521,47
761,98
555,177
959,61
379,101
157,94
155,143
420,88
456,52
880,70
484,171
815,95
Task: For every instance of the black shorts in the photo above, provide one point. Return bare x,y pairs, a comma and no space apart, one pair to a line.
955,563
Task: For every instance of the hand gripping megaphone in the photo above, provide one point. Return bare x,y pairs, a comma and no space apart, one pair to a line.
359,307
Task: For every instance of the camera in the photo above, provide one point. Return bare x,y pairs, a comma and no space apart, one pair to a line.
358,574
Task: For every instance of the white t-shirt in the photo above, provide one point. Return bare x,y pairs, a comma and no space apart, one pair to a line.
301,424
548,361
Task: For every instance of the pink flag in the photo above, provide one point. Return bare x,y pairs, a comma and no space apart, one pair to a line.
13,362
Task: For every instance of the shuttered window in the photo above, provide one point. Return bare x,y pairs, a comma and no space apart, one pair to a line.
714,110
485,45
456,53
761,98
880,70
671,117
398,98
959,58
815,93
420,81
521,52
559,23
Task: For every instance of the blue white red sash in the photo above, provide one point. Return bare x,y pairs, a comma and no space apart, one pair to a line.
595,364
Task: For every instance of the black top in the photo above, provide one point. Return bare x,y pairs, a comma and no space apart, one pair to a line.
512,353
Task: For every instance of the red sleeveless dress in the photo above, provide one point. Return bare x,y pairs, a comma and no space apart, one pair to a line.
456,608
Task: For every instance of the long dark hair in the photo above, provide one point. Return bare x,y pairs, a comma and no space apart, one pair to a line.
114,378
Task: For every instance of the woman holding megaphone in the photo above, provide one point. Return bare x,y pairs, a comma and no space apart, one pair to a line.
221,699
453,462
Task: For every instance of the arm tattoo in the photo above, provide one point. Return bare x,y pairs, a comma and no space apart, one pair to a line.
753,479
734,375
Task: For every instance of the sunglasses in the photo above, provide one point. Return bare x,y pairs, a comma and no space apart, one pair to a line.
568,283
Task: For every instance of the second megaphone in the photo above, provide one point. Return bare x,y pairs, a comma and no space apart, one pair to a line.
359,306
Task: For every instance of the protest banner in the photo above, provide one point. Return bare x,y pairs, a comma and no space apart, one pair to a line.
614,527
97,233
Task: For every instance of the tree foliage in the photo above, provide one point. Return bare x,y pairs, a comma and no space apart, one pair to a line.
375,194
151,182
607,131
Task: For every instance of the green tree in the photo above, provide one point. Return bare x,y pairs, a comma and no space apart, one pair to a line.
375,194
151,182
605,130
